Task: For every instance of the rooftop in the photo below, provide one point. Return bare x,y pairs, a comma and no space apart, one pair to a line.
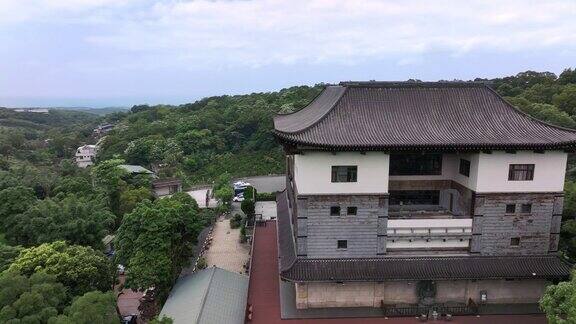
212,295
135,169
416,115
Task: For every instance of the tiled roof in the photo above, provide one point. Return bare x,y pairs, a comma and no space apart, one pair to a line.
285,234
433,268
161,183
387,115
406,268
208,296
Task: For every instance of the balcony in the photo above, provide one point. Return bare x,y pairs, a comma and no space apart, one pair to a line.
428,234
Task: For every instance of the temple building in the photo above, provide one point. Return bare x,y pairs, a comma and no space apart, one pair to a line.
412,196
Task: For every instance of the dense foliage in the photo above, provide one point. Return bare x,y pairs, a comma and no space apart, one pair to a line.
75,219
81,269
201,140
155,241
559,303
33,299
94,307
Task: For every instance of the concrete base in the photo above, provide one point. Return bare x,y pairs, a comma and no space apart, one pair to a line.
372,294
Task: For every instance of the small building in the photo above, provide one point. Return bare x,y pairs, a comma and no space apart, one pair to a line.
166,187
85,155
208,296
103,129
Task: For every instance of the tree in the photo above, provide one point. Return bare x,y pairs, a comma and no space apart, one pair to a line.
129,198
566,100
567,76
78,220
7,255
79,268
14,201
93,307
108,177
559,302
155,241
73,185
30,300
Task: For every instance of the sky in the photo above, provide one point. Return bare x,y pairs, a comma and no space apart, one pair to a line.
101,53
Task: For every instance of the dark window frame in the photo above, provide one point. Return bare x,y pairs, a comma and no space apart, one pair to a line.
342,244
414,197
526,208
344,173
415,164
510,208
464,167
352,210
521,172
335,210
514,241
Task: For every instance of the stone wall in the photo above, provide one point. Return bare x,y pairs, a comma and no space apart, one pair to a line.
371,294
318,231
537,231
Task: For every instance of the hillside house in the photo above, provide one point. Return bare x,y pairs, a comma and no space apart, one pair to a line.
410,196
166,187
85,155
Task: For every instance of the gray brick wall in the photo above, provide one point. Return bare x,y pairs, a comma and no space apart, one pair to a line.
364,231
494,228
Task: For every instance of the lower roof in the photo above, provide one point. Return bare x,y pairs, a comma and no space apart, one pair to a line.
212,295
299,269
429,268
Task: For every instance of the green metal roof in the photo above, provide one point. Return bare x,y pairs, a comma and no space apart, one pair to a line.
135,169
209,296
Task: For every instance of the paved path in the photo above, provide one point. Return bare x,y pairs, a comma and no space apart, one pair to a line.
266,183
226,251
200,197
267,209
264,297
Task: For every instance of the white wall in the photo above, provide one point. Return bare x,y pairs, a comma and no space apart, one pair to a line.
313,172
549,171
488,172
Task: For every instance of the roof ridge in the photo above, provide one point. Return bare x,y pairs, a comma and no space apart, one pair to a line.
414,84
205,295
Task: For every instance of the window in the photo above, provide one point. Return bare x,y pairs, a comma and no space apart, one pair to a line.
510,209
352,210
335,211
526,208
414,197
465,167
344,173
515,241
342,244
415,164
521,172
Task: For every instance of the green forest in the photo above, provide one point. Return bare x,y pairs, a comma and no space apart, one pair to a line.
54,215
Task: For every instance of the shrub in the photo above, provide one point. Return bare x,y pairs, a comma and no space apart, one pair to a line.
243,237
236,221
250,193
201,264
265,196
248,207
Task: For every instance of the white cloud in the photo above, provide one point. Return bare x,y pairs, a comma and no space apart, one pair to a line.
218,34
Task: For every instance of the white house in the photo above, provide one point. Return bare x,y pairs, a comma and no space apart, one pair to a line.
85,155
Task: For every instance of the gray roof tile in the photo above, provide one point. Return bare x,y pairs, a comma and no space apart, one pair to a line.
384,115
